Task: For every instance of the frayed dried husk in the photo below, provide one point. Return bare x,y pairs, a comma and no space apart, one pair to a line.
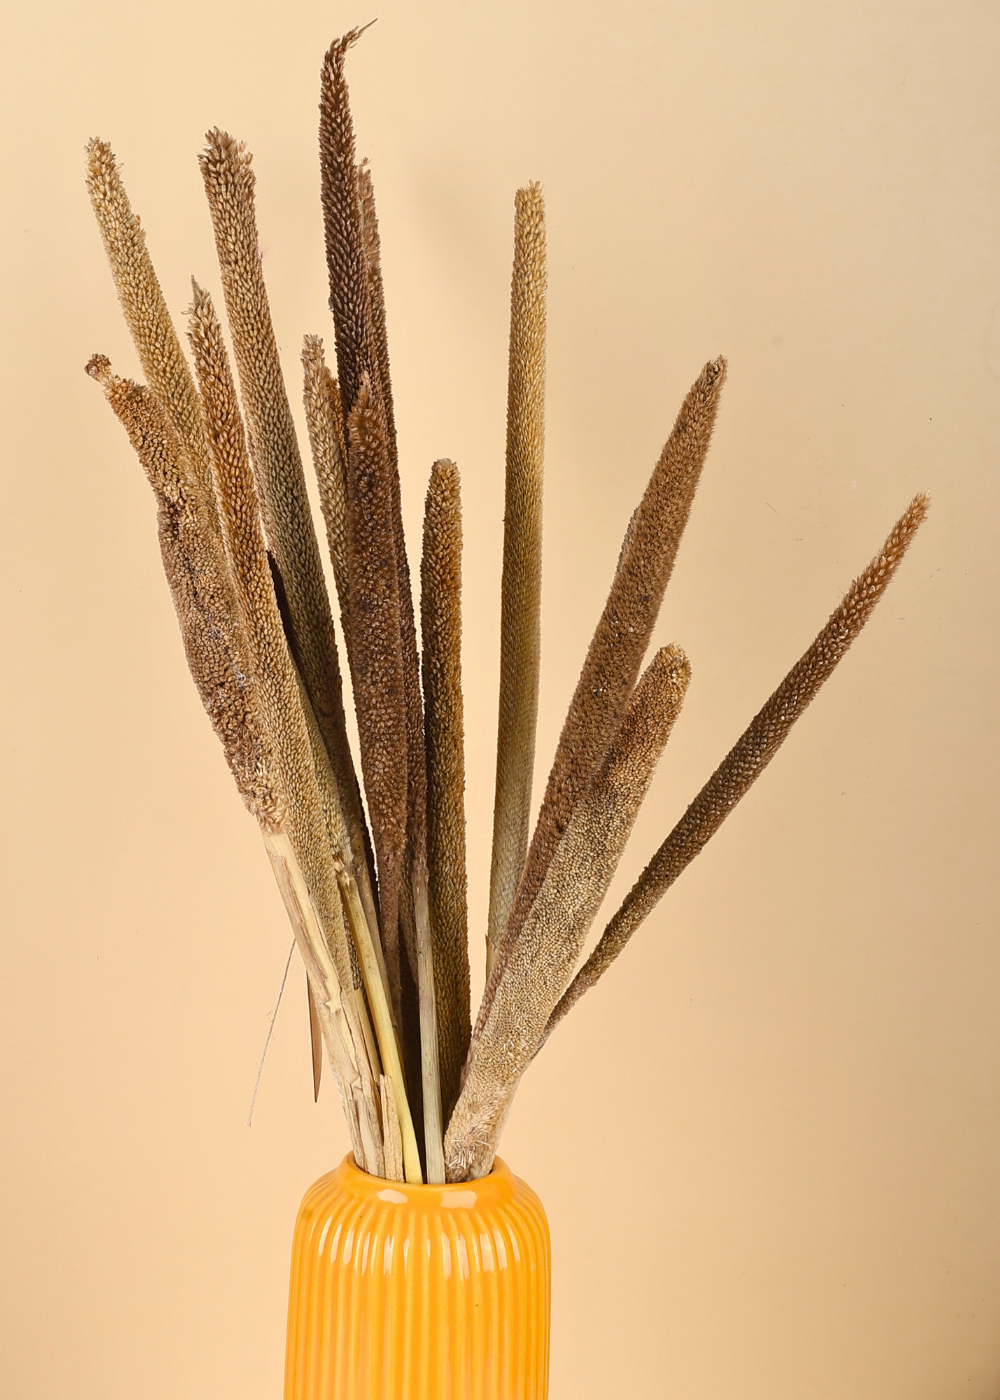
521,586
541,963
391,1141
620,641
748,757
148,319
229,185
441,635
197,572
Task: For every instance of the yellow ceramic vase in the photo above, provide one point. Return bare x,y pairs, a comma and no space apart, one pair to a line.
405,1292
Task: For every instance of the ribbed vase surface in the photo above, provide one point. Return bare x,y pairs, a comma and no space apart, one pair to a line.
404,1292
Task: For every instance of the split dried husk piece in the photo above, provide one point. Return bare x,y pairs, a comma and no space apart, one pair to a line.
375,884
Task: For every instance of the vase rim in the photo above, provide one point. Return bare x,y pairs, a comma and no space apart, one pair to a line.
457,1195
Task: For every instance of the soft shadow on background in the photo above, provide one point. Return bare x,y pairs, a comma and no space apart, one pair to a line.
769,1143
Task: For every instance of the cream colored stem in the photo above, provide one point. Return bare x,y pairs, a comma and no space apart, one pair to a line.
429,1064
385,1032
392,1141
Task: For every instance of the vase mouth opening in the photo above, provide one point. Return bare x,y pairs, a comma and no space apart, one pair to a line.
455,1194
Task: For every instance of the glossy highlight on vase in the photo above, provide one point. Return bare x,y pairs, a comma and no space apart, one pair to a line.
402,1291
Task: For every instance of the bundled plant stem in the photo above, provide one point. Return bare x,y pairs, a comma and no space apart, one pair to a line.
375,884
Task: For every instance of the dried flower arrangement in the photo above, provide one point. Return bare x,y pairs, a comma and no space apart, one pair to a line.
375,886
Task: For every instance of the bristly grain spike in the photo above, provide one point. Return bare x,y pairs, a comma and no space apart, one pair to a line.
197,571
542,961
301,849
342,225
325,422
441,635
227,172
521,585
357,305
377,664
324,419
748,757
619,642
146,315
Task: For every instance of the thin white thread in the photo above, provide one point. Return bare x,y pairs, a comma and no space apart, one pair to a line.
270,1032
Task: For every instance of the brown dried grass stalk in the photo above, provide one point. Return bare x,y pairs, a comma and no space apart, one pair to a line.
227,172
345,253
357,304
748,757
415,935
247,554
355,279
441,634
576,882
521,585
194,562
220,656
148,319
326,437
620,641
325,422
260,641
312,817
377,663
358,307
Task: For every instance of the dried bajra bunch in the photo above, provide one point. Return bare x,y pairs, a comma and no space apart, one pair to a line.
375,882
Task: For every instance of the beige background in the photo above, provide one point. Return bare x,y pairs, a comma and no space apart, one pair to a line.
769,1145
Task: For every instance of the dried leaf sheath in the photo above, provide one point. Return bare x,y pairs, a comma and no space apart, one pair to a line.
621,638
577,880
229,184
521,586
748,757
211,626
441,633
